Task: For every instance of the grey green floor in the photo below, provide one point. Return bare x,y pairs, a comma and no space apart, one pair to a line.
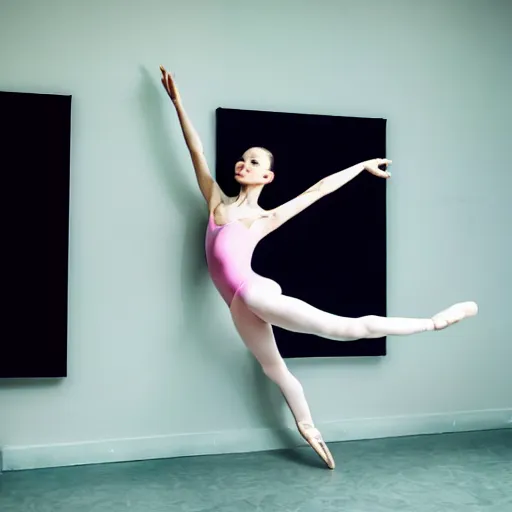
444,473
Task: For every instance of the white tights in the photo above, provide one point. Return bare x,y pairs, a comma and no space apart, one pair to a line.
255,309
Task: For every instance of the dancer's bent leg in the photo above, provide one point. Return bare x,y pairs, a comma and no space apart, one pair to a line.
259,339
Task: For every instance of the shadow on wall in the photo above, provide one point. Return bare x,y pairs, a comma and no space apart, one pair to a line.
193,213
189,206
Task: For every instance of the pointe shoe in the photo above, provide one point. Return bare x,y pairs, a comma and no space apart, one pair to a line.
313,437
454,314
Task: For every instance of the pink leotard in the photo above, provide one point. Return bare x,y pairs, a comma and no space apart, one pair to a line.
229,251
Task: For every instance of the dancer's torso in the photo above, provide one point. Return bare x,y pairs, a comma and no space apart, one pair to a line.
229,250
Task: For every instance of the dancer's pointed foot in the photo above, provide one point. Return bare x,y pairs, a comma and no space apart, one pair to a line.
313,437
454,314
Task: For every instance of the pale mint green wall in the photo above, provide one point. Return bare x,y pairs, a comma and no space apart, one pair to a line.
152,351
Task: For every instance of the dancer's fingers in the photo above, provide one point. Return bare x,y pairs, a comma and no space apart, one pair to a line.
380,173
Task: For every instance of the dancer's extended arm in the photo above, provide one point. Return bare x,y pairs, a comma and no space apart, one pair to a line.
209,187
327,185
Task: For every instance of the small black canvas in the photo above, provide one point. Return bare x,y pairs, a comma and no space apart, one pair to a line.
35,141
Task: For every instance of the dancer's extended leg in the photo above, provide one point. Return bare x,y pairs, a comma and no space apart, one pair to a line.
296,315
259,339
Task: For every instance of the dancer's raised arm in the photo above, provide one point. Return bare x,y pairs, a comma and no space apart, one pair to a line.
209,187
327,185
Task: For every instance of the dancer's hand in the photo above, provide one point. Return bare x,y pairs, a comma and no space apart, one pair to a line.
372,166
170,86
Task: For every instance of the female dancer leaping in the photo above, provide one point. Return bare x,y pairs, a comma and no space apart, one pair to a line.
236,225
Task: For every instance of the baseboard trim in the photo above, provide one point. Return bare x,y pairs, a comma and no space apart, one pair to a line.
210,443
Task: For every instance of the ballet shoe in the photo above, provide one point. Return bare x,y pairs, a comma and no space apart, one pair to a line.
313,437
454,314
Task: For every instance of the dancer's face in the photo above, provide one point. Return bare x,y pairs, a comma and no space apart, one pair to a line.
254,168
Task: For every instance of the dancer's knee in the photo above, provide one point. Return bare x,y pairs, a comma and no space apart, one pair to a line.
277,372
274,370
360,328
367,326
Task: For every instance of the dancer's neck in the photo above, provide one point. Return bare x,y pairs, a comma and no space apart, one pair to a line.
249,195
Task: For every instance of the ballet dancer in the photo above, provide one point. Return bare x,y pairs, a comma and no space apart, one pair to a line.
236,225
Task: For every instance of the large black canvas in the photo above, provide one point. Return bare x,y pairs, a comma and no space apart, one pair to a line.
333,254
35,156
